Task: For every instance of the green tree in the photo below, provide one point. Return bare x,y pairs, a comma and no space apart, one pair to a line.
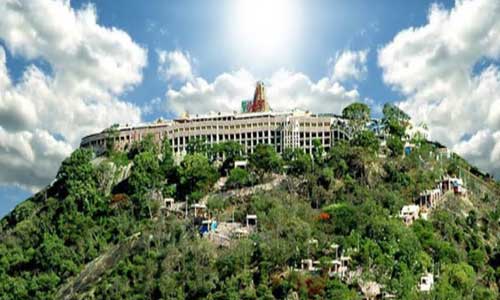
477,258
358,115
230,151
395,145
357,112
395,120
146,144
318,152
298,162
144,179
197,176
456,279
337,158
265,159
167,164
391,111
337,290
112,134
77,177
197,146
238,178
366,139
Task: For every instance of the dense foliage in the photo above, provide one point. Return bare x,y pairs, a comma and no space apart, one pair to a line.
350,196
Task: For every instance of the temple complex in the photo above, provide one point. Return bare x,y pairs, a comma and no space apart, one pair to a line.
255,124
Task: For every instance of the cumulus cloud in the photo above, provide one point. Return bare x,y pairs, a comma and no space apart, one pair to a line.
174,65
286,90
436,67
44,114
350,65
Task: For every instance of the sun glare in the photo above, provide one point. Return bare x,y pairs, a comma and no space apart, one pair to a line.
265,29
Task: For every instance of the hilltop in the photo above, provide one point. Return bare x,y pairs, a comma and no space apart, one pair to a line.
261,226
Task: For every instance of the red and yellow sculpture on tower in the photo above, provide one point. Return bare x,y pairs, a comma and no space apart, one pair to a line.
259,103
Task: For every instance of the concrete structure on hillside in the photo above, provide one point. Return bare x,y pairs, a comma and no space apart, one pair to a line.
257,124
426,282
309,265
242,164
410,213
428,198
251,221
418,132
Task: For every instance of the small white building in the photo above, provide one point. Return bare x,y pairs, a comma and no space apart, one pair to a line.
251,220
409,213
199,209
339,267
458,186
240,164
309,265
335,247
418,132
444,153
312,242
168,204
426,282
344,265
239,233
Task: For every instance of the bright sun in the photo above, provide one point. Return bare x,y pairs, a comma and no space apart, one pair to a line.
265,29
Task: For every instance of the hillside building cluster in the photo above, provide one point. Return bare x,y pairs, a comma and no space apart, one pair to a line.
429,199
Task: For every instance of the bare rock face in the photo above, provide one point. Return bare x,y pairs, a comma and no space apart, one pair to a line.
93,270
109,175
370,289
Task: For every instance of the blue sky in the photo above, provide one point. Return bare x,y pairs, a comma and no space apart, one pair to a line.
199,27
302,43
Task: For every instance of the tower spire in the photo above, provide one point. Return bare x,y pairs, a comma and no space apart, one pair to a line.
259,103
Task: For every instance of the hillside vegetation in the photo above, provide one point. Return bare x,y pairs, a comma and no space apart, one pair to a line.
100,231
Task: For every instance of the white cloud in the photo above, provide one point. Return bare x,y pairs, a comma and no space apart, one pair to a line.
27,158
174,65
350,65
483,147
154,105
434,66
44,115
285,90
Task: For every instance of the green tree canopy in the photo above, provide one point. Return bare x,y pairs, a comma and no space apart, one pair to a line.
265,159
196,175
147,144
357,111
239,178
298,162
230,151
78,177
112,134
197,146
167,160
366,139
391,111
144,179
395,120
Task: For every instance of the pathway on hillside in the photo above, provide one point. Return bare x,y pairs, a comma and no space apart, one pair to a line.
247,191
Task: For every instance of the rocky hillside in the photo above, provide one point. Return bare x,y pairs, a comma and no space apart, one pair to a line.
137,225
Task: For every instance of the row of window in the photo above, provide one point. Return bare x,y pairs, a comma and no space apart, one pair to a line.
262,137
304,138
189,127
